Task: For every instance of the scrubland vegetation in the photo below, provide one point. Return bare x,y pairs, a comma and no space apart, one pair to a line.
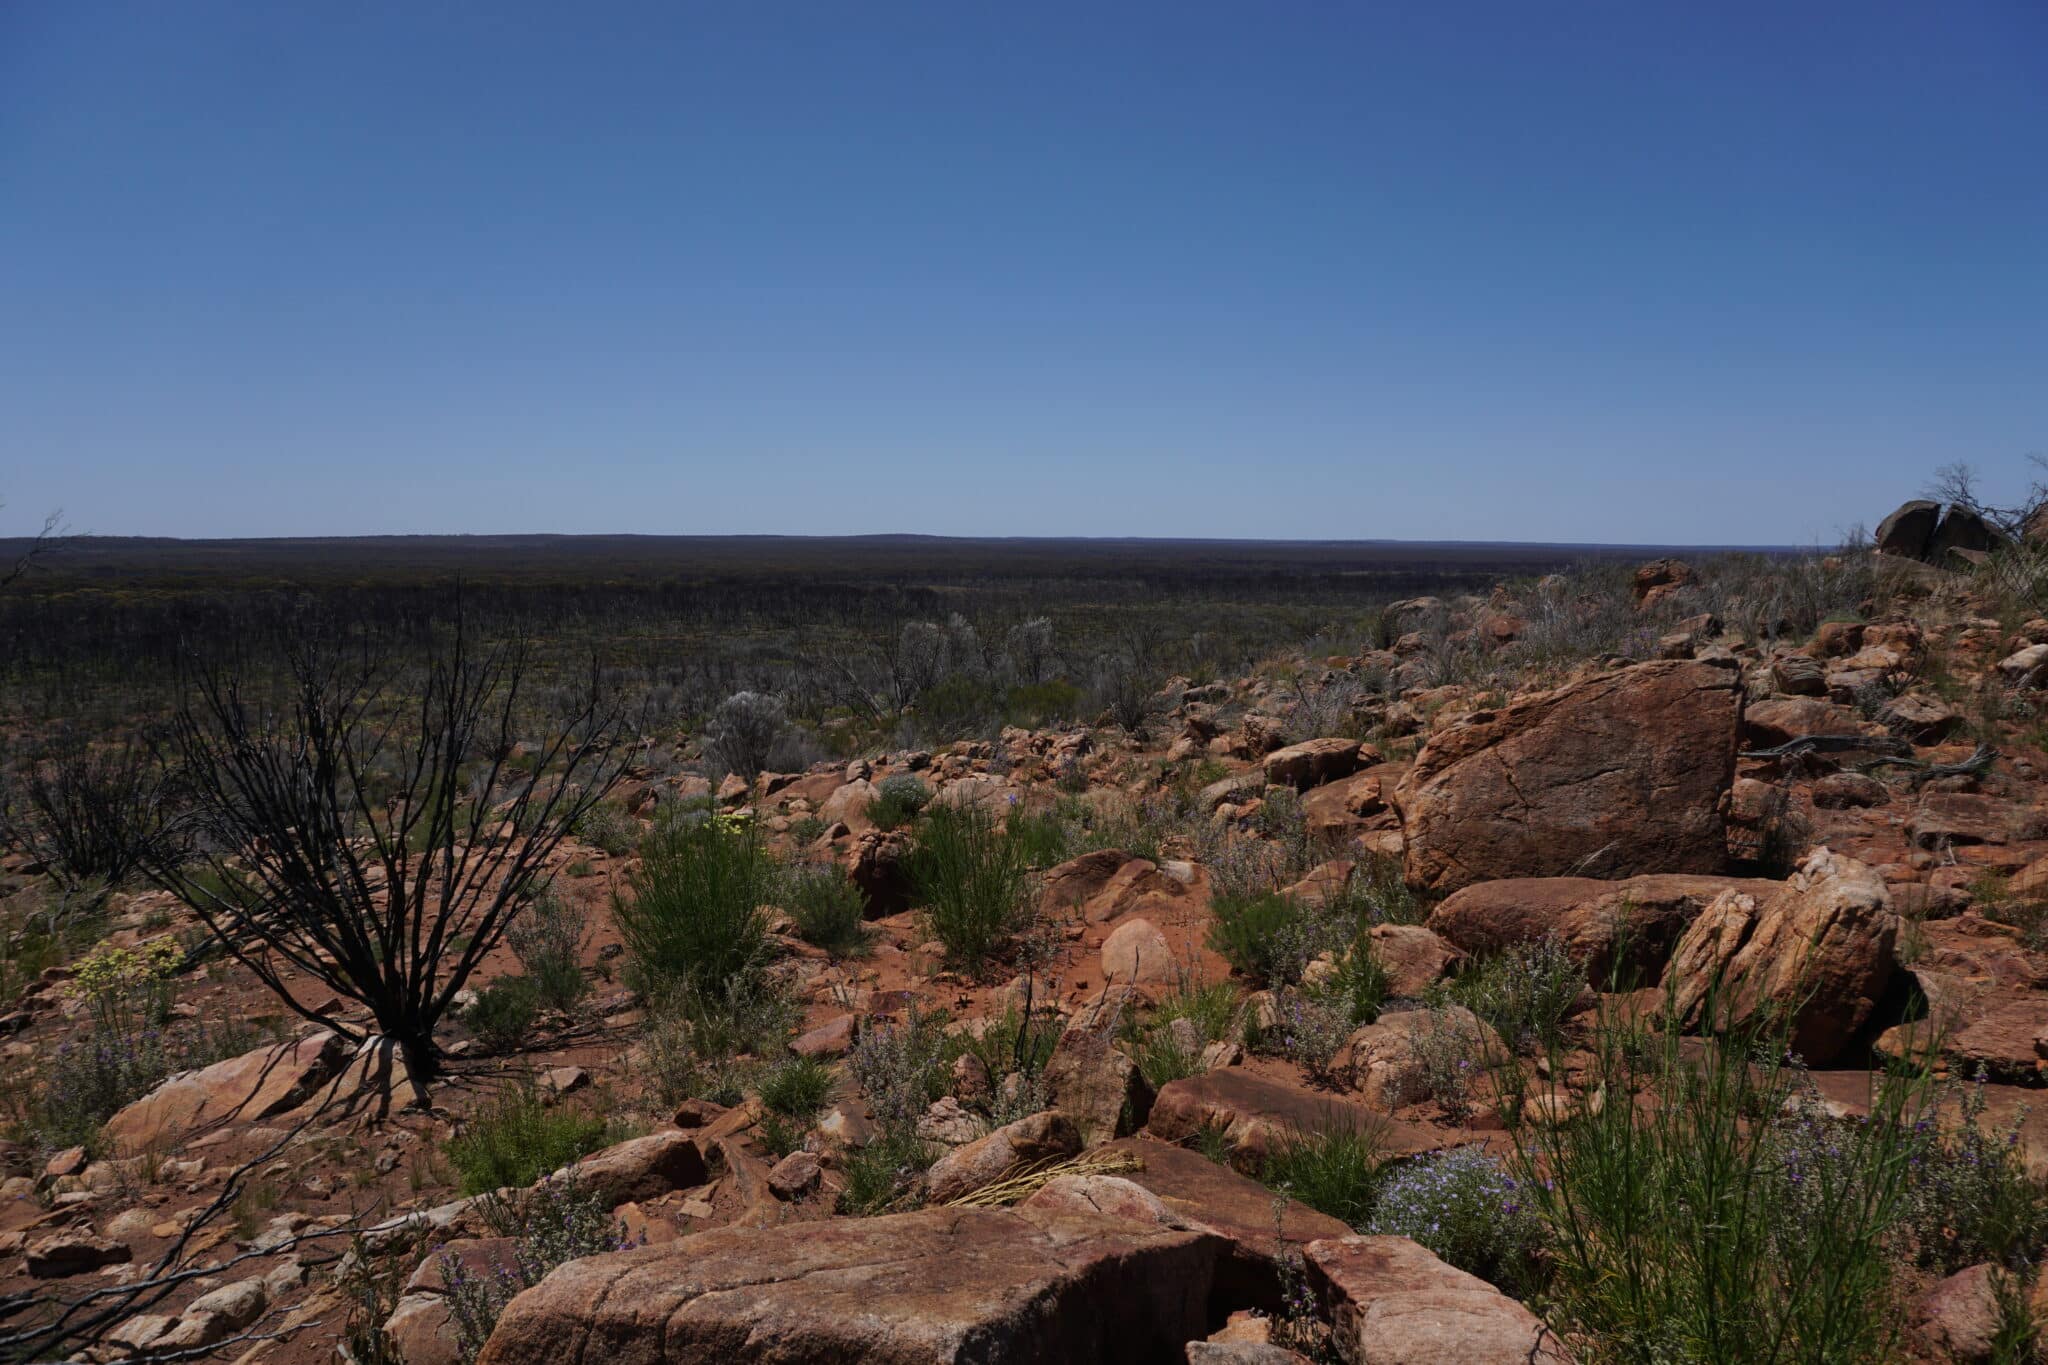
558,824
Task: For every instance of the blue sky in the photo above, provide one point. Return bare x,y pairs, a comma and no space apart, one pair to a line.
1624,272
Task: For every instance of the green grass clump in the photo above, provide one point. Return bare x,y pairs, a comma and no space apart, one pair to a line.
973,879
880,1176
1524,992
1727,1217
517,1139
502,1017
829,909
1336,1170
695,913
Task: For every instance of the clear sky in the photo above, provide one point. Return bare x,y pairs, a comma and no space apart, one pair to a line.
1634,271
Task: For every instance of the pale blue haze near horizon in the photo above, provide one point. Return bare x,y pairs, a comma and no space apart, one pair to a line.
1587,272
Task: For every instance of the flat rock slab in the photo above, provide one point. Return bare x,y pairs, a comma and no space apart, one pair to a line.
1256,1224
255,1085
992,1286
1255,1113
1395,1303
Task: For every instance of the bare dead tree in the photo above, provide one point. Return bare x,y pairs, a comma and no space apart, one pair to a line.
59,1326
39,545
1956,484
373,834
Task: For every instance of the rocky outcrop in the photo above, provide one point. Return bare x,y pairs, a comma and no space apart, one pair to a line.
1909,529
643,1168
1028,1142
1818,948
1312,763
935,1286
1630,925
1394,1303
1611,777
255,1085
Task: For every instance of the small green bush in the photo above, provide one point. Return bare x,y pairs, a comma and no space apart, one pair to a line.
973,880
899,798
829,909
547,937
1247,930
797,1088
502,1017
1336,1171
606,826
517,1139
695,913
1524,992
880,1176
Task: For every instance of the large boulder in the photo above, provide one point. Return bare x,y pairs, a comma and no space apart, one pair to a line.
1312,763
255,1085
1030,1141
1614,776
1630,924
1392,1302
1254,1114
1260,1228
1820,945
1092,1080
1907,531
1963,535
991,1286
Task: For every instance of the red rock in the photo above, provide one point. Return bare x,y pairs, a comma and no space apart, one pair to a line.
1594,919
643,1168
1311,763
1393,1303
1824,938
833,1038
795,1176
1254,1114
255,1085
935,1287
72,1252
1136,953
1618,775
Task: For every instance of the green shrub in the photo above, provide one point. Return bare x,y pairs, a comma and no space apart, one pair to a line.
1524,992
973,880
502,1017
1205,1013
1335,1171
547,937
606,826
880,1175
1464,1206
797,1088
707,1044
1271,938
1685,1229
1247,932
1971,1199
517,1139
694,917
829,909
899,798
